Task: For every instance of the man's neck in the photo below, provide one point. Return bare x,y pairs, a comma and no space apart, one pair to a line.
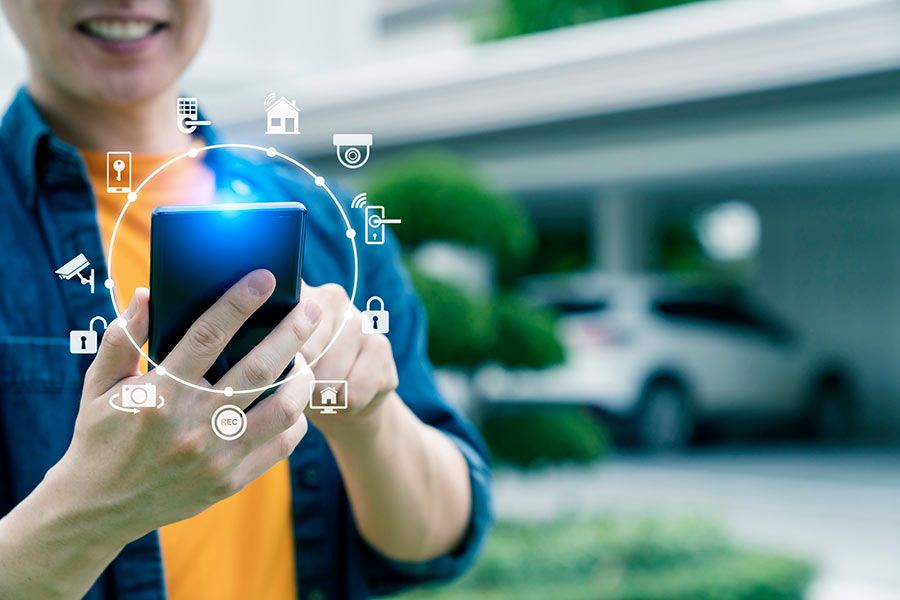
147,126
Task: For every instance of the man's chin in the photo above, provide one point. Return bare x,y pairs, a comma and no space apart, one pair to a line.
133,87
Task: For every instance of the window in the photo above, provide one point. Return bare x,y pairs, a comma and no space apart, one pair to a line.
275,121
726,313
580,307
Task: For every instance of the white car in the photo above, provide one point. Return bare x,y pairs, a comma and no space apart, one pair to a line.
662,356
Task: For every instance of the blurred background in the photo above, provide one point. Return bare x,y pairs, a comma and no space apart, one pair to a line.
657,243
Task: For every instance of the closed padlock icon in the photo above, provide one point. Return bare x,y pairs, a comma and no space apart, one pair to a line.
376,321
84,341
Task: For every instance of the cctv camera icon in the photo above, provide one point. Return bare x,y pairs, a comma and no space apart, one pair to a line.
73,269
353,148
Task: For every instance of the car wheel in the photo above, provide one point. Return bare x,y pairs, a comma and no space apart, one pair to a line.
664,420
832,410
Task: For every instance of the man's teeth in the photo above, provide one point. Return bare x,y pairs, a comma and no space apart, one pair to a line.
119,31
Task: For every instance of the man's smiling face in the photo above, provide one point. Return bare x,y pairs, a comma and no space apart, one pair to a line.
111,51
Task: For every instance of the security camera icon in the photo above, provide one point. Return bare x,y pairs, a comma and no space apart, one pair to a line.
74,268
353,148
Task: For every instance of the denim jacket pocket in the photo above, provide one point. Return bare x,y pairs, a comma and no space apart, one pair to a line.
36,364
40,391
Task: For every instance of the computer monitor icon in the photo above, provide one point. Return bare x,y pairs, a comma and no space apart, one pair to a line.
328,396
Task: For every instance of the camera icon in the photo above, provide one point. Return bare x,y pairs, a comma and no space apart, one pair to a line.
136,397
353,148
139,396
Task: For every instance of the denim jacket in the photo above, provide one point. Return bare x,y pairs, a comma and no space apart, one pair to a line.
48,216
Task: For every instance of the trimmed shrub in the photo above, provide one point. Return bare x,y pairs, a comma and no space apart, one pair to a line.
461,331
420,189
526,335
528,436
424,188
466,332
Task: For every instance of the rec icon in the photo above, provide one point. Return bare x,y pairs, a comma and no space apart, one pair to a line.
229,422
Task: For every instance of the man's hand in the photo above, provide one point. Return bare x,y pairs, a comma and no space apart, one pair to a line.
364,361
407,482
162,465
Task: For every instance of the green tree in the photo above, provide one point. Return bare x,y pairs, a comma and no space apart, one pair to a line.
517,17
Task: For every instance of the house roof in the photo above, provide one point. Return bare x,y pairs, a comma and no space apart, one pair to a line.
668,57
698,98
282,101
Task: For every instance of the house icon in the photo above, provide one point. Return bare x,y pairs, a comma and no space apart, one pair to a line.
282,116
328,396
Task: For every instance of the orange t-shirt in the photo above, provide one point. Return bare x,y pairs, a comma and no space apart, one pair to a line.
241,547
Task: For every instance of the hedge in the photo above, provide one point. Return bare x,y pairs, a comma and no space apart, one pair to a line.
624,559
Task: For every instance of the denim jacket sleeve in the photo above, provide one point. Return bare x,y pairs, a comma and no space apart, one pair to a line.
388,278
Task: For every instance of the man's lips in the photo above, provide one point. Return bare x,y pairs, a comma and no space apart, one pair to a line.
120,31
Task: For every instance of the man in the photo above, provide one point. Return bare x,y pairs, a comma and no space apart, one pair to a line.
102,504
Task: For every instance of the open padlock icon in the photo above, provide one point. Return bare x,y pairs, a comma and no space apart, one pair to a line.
376,321
84,341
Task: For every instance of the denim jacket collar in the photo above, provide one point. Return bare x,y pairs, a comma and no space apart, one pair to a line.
23,138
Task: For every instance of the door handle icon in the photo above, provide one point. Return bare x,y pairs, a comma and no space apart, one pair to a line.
375,222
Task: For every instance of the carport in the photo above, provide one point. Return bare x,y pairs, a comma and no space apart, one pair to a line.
791,107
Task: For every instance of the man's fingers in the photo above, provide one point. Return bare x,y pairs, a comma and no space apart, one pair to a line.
208,336
265,363
280,411
117,358
374,371
335,302
337,362
271,452
322,336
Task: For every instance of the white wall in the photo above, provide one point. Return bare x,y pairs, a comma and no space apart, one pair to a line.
273,37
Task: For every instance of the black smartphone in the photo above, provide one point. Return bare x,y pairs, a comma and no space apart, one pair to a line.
198,252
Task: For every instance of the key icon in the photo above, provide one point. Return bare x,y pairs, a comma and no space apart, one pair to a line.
118,172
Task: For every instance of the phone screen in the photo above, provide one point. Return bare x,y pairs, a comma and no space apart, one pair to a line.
197,253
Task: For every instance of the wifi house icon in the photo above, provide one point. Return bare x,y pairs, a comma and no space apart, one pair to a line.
282,116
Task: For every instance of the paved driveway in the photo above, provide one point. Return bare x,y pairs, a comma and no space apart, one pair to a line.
839,507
